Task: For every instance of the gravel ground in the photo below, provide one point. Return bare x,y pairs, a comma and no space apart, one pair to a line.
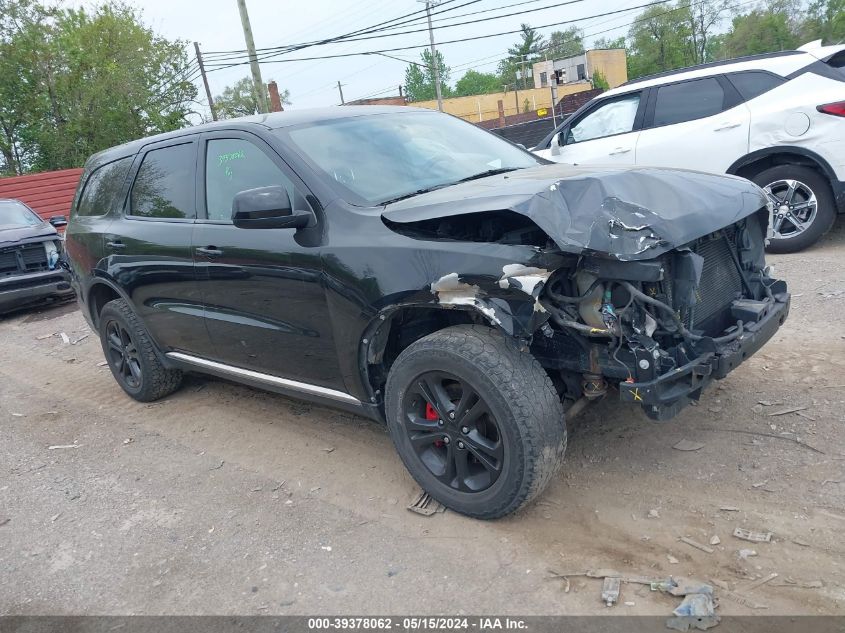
225,500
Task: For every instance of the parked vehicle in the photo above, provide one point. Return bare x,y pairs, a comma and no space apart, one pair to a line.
776,119
412,267
30,249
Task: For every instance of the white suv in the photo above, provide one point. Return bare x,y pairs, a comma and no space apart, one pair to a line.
777,119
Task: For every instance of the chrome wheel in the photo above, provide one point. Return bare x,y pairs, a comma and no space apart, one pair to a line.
795,207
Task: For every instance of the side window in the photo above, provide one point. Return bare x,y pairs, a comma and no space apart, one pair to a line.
101,191
164,186
688,101
614,117
753,83
233,165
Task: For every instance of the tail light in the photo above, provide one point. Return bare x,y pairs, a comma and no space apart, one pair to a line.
836,109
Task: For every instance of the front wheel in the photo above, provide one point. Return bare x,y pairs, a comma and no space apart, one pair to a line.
804,208
476,421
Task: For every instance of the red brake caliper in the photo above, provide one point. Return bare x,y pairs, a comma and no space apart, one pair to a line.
431,414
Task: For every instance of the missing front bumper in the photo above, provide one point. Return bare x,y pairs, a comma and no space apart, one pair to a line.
663,397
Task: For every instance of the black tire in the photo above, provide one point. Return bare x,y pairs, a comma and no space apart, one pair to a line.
825,206
521,404
136,366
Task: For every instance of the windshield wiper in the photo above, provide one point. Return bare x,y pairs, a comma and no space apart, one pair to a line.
489,172
414,193
483,174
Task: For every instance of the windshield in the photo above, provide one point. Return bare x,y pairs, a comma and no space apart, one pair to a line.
13,213
379,158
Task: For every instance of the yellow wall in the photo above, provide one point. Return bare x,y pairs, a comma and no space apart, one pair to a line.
612,64
468,107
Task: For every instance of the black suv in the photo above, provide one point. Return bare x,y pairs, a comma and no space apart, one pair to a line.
417,269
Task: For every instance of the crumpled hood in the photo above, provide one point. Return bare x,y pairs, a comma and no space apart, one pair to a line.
14,233
627,213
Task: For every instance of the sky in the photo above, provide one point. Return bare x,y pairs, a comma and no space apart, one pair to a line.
215,24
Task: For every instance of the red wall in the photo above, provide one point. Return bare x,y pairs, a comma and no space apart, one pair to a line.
48,193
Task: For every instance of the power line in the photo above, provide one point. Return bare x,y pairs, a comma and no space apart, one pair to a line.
363,31
455,41
386,30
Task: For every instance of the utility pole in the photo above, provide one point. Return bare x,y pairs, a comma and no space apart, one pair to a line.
435,65
523,73
258,83
340,90
205,82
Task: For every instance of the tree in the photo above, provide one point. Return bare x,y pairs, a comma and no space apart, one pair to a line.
476,83
760,31
239,99
419,78
659,41
703,19
566,43
520,56
76,81
600,81
825,21
603,42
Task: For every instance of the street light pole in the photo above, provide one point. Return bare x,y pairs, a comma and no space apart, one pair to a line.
435,65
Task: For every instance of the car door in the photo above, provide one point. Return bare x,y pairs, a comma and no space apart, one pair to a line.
605,133
697,124
148,246
265,303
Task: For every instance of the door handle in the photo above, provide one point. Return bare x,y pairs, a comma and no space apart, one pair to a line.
620,150
211,251
727,126
117,244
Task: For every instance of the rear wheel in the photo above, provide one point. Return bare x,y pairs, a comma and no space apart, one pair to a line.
131,356
476,422
804,208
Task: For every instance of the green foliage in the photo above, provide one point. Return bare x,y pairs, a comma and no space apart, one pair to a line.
520,56
419,80
76,81
825,21
239,99
604,42
566,43
600,81
760,31
660,40
476,83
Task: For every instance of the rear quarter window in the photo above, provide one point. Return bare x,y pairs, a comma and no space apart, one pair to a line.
102,189
751,84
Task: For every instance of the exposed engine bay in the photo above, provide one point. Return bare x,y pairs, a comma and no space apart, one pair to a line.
661,328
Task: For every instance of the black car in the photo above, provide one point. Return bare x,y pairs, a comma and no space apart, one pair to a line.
30,257
409,266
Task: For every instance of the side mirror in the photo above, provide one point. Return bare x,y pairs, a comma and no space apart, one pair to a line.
58,220
268,208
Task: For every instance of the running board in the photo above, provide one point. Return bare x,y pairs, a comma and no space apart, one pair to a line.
267,379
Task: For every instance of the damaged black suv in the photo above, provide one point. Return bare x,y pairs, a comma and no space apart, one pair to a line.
412,267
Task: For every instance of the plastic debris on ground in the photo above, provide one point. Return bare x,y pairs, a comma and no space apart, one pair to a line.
754,537
610,591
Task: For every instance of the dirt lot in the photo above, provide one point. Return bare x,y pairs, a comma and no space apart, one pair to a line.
222,499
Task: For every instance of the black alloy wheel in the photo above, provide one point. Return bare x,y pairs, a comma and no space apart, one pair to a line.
123,355
475,419
132,357
453,432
